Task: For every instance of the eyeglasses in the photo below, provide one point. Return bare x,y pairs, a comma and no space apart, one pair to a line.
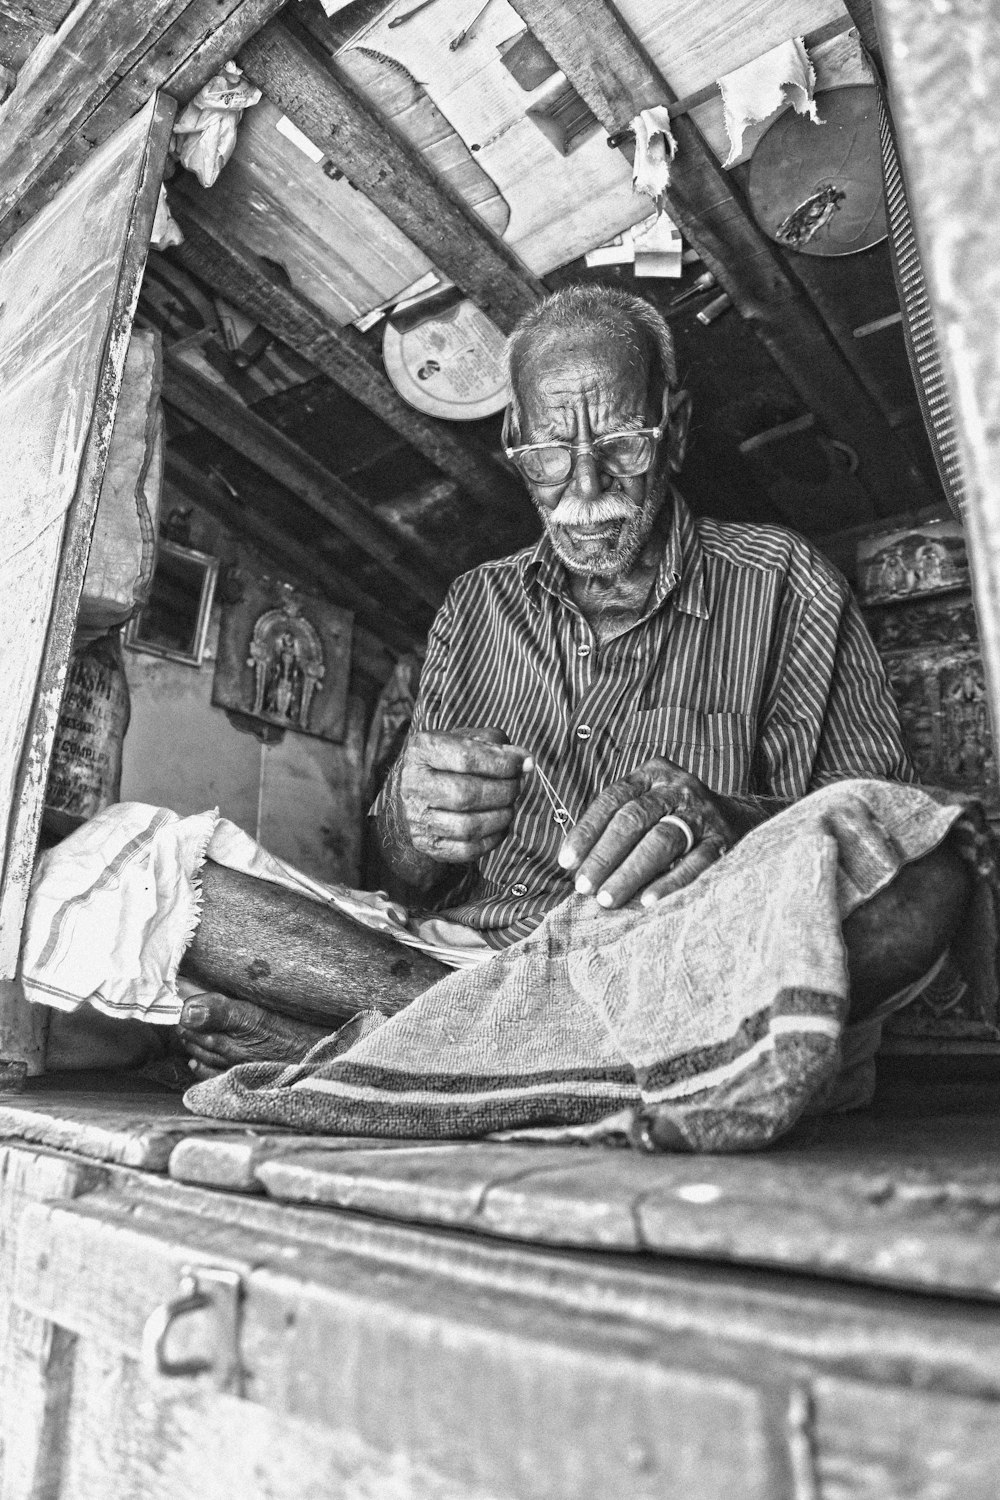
623,455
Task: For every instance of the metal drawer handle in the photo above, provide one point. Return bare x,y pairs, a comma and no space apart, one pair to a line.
200,1289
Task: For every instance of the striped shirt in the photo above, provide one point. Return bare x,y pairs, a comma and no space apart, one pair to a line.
751,668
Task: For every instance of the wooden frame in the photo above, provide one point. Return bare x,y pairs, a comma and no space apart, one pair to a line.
210,573
21,1030
948,134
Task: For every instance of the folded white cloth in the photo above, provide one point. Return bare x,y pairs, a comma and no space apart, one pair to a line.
114,907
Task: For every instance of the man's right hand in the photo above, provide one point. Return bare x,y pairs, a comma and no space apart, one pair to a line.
458,789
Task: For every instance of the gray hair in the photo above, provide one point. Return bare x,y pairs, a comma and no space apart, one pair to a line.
621,319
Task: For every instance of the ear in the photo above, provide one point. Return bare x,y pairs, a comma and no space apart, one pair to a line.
678,425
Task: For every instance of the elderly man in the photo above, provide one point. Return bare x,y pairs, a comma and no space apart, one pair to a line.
609,711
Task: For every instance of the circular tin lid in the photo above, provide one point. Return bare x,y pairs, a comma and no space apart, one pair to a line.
449,364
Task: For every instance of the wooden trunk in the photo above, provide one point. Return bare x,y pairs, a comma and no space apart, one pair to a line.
817,1323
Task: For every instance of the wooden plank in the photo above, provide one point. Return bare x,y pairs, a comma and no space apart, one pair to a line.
50,503
36,1357
108,59
910,1203
63,80
609,69
432,1350
188,482
875,1443
232,1161
285,63
17,42
219,412
863,18
943,74
106,1117
402,1365
44,15
221,262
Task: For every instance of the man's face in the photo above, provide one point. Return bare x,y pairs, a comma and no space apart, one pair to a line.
573,392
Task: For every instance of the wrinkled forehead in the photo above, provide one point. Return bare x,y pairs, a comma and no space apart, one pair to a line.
559,370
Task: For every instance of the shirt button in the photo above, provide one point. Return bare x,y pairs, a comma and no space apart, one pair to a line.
519,889
583,649
584,732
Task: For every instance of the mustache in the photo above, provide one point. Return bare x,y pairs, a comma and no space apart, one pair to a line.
573,512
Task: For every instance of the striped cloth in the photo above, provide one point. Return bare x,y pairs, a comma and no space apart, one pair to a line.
114,907
751,668
711,1021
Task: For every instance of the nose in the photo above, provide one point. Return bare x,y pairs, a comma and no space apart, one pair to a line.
586,480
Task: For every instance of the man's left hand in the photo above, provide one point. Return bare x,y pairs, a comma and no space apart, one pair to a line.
621,849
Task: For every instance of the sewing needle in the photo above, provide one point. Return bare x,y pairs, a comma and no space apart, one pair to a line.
463,35
407,14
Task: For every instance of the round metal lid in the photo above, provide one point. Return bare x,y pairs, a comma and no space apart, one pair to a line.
449,364
818,188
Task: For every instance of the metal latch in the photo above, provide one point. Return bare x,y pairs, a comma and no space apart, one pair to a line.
218,1293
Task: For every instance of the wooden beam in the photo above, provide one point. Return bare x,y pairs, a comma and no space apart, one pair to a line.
100,67
943,66
43,15
863,19
377,629
610,70
217,258
306,84
219,412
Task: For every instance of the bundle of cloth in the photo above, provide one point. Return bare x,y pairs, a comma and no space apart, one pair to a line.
712,1021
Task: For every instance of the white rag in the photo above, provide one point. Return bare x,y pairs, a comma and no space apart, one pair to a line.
114,907
751,93
655,149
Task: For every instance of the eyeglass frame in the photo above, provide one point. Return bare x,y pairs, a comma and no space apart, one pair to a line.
656,433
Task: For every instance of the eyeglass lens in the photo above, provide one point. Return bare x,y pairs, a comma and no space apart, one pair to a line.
622,455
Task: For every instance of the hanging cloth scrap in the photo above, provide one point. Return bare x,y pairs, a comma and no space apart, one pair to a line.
751,93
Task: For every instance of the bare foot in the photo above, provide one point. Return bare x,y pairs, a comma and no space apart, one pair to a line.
218,1032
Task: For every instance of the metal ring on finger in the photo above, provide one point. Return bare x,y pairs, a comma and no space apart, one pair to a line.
675,822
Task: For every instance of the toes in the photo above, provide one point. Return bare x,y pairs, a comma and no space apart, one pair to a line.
212,1057
201,1073
210,1012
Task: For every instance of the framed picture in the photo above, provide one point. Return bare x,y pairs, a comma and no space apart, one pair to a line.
284,658
915,560
174,620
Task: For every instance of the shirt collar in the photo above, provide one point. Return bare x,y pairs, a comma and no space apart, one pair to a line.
682,569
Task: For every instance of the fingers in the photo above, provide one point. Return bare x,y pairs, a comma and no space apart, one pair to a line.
595,820
457,750
657,852
686,870
449,792
633,838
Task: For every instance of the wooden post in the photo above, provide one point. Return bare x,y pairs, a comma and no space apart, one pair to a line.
943,67
70,285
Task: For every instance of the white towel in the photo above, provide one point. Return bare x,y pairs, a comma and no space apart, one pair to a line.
114,907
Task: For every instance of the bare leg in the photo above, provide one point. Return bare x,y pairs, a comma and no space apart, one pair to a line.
284,970
896,936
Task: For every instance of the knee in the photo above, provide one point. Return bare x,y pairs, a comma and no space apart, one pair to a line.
896,936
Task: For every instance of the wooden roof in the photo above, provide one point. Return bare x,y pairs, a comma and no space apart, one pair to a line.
298,440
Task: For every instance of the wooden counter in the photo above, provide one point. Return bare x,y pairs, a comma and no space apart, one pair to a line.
477,1320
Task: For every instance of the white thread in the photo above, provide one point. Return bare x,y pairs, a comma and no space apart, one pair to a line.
560,811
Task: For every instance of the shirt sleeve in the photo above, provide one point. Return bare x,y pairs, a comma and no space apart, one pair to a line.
429,707
829,713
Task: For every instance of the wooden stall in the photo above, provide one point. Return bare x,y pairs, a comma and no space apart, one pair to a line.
189,1308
